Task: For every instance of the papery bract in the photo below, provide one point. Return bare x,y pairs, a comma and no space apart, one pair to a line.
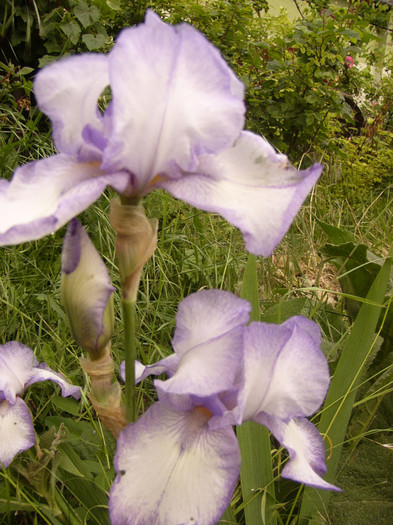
174,122
179,462
18,370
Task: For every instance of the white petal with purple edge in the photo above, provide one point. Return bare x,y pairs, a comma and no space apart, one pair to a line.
174,97
16,430
45,194
16,365
250,186
306,450
67,91
205,315
286,373
172,469
42,372
209,368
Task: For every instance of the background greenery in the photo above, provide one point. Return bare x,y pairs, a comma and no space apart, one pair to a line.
304,99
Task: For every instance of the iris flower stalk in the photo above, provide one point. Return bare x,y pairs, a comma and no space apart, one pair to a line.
222,373
19,369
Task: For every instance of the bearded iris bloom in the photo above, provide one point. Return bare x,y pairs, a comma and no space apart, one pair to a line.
179,463
18,370
175,122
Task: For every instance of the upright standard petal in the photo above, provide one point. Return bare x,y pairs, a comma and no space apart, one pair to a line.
86,291
286,373
16,364
173,469
249,185
205,315
44,195
16,430
67,91
174,97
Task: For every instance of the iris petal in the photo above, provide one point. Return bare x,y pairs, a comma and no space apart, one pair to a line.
286,374
67,91
16,364
306,450
44,195
174,97
249,185
173,469
42,372
16,430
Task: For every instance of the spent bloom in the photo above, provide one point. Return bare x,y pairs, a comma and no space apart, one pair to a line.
175,121
18,370
179,463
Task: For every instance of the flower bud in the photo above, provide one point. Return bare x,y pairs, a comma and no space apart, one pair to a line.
86,292
135,244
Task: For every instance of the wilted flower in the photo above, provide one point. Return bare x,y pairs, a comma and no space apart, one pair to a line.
180,462
175,122
18,370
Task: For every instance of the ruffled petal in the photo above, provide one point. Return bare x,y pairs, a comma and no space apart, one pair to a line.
67,91
173,469
86,291
44,195
42,372
16,430
16,365
251,186
174,97
306,450
205,315
286,373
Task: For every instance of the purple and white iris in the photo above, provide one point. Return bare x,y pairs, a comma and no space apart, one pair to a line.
175,122
179,463
18,370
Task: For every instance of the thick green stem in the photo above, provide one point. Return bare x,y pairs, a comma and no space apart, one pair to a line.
130,356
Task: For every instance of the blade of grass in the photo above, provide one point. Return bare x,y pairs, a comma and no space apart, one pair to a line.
254,440
341,395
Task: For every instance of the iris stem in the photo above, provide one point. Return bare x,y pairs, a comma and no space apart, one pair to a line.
130,356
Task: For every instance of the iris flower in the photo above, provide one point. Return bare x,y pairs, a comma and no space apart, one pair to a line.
18,370
175,122
179,463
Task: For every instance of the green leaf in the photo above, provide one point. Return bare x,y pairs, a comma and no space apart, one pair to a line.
72,30
256,471
85,14
335,235
283,310
94,42
341,395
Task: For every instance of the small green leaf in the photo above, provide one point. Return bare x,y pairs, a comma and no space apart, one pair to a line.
72,30
94,42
